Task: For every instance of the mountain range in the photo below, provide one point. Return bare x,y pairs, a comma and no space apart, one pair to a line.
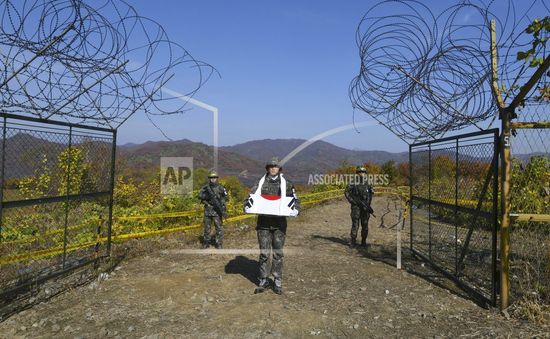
247,160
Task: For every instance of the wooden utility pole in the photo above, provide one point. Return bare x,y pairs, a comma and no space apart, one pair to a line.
506,168
505,208
506,115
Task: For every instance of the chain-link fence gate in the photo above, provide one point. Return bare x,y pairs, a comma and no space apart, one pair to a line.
454,192
530,204
56,199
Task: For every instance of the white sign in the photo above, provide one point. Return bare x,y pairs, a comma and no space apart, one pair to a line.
258,203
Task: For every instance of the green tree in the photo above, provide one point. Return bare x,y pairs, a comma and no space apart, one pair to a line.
37,185
73,171
200,178
237,192
540,30
531,185
389,168
443,167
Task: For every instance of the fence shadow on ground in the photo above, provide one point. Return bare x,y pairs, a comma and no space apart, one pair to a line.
33,291
410,263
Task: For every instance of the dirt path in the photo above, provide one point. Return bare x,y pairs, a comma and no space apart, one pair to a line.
330,291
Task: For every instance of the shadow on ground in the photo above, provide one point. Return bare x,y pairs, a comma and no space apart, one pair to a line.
410,263
244,266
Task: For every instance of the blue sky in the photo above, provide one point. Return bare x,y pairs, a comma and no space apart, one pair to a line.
285,69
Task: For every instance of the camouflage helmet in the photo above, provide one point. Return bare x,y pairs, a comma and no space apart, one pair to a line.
212,174
274,162
360,169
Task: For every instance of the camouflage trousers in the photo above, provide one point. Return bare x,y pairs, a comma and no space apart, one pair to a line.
273,239
208,220
359,217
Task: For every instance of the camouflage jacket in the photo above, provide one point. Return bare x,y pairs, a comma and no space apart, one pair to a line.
359,192
206,199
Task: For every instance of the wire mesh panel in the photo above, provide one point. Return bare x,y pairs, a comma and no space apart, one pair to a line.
530,195
419,165
453,213
56,197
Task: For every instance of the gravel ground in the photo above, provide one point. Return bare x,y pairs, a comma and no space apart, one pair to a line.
329,291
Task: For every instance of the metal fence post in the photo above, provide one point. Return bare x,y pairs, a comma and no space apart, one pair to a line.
111,193
2,177
68,192
411,196
456,208
98,240
430,201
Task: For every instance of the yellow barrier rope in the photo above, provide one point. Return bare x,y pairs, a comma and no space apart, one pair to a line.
90,223
44,253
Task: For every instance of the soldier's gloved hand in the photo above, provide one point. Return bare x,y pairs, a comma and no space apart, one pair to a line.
294,212
247,203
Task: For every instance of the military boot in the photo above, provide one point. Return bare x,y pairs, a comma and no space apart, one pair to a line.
219,245
278,286
352,243
364,242
205,245
262,286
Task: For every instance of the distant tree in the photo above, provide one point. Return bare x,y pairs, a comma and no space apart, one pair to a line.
473,169
200,178
39,183
237,192
127,192
389,168
443,167
531,185
345,168
71,175
403,169
73,171
372,168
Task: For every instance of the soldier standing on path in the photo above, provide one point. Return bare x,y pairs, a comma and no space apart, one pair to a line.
271,229
213,196
359,194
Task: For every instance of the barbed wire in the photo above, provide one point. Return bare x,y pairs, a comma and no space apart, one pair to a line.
423,75
95,63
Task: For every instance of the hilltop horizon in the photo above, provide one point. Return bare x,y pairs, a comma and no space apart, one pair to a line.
294,139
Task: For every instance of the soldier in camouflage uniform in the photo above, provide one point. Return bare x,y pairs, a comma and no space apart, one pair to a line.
271,229
213,196
359,196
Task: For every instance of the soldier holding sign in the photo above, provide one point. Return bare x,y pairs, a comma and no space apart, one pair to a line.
272,189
